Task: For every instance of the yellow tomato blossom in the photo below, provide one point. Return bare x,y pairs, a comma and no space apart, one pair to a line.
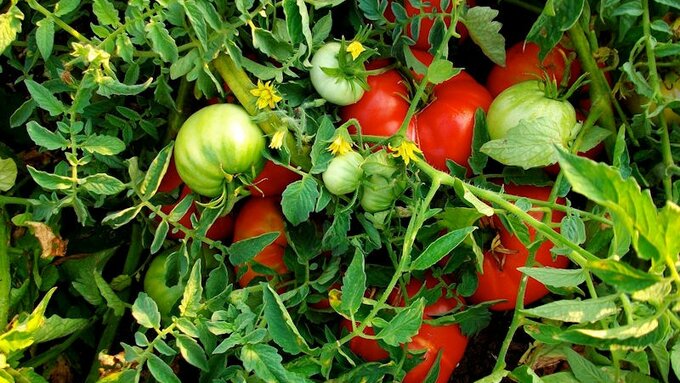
407,150
355,48
266,95
339,146
277,139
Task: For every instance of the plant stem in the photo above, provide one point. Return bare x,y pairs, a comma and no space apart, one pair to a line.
5,276
59,349
59,22
176,117
5,200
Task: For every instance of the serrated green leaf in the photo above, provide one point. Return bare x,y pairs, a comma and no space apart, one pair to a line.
625,278
441,70
102,184
436,250
528,145
8,173
44,98
44,37
245,250
553,22
161,41
462,191
193,292
65,7
10,26
45,138
353,284
154,176
192,352
576,311
124,47
485,32
160,370
555,277
297,23
50,181
109,86
404,325
112,300
271,45
265,362
145,311
122,217
159,236
585,370
198,21
675,359
299,199
670,3
280,324
100,144
105,11
593,137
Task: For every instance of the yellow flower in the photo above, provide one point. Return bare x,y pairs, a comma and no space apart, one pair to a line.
407,150
277,139
355,48
339,146
266,95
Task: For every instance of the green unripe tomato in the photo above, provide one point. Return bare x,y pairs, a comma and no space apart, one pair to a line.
336,89
214,143
343,174
528,101
383,182
166,297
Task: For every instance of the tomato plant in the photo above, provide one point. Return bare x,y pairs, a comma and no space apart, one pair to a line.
166,297
258,216
215,143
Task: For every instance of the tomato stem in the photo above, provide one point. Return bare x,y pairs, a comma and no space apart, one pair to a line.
176,118
5,275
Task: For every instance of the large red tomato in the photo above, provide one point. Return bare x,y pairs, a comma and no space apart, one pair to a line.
382,108
431,339
272,180
427,22
522,64
446,126
500,278
256,217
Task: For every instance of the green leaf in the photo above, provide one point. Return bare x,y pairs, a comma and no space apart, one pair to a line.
102,184
584,370
159,236
636,329
576,311
654,235
8,173
265,362
271,45
109,86
404,325
22,113
65,7
124,47
555,277
299,199
45,138
100,144
436,250
524,374
56,327
622,276
105,11
161,41
154,176
45,99
160,370
593,137
192,352
198,21
465,193
193,292
123,217
112,300
528,145
48,180
441,70
670,3
478,160
280,324
353,284
553,22
485,32
10,25
320,155
245,250
44,37
297,23
145,311
495,377
675,359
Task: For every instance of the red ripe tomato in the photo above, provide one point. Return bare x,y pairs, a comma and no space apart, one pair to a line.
382,108
272,180
446,126
500,278
431,339
426,22
256,217
171,179
521,64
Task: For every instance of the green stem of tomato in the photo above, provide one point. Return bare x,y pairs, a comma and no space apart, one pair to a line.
176,118
5,275
656,85
59,22
240,84
415,223
599,88
6,200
